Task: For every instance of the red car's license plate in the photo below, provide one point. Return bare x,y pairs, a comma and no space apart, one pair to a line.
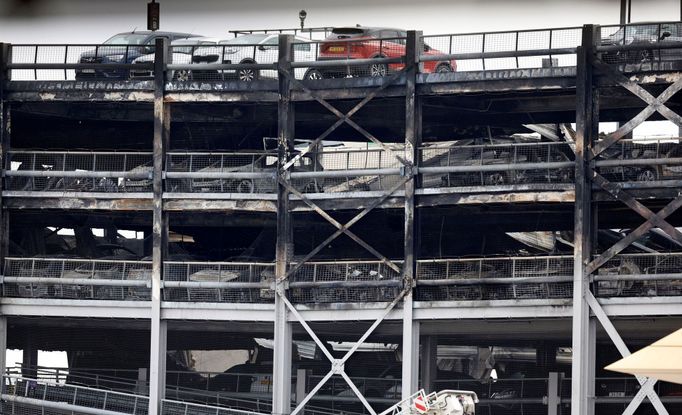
337,49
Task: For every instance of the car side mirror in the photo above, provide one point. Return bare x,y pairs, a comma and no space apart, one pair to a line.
261,48
426,47
665,35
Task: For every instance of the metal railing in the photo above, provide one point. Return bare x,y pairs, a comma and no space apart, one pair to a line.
538,48
642,160
169,407
26,391
77,278
463,164
340,58
640,275
495,278
641,43
78,171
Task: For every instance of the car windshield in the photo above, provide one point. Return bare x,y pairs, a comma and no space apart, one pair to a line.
245,40
126,39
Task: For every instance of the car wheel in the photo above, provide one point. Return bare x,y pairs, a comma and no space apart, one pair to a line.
313,74
247,74
182,75
443,68
245,186
495,179
647,175
378,70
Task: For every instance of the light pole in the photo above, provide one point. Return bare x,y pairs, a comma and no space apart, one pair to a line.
302,15
626,11
153,15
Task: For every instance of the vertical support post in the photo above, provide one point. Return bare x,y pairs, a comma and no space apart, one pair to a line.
281,376
157,355
553,395
29,359
587,126
3,349
5,130
301,377
410,367
429,362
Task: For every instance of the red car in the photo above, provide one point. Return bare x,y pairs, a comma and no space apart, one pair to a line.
366,43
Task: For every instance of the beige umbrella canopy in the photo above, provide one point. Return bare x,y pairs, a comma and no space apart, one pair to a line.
661,360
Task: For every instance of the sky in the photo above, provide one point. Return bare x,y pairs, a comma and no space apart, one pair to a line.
93,21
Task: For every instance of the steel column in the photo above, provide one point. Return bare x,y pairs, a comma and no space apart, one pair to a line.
29,359
587,126
5,130
429,362
410,361
3,346
281,376
157,355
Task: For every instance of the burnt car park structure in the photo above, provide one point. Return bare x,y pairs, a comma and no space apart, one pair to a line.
415,231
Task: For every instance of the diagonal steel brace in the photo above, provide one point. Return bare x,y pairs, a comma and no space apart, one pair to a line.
653,219
342,117
343,228
654,104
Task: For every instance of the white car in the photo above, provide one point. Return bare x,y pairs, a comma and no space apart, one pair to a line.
182,51
251,49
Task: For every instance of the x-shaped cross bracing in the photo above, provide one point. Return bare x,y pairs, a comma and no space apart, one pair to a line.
337,365
654,104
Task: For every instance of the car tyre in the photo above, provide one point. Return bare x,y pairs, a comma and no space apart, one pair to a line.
182,75
443,68
495,179
378,70
647,175
313,74
245,186
248,74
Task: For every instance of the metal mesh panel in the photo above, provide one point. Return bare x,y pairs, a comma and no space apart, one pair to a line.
641,264
644,40
476,164
169,407
31,171
346,160
71,55
80,269
353,274
76,395
345,51
642,160
198,273
259,163
447,272
227,54
509,44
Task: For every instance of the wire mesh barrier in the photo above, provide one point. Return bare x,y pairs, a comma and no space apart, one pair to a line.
350,55
465,164
635,275
246,58
641,44
169,407
74,62
349,170
65,397
78,171
641,160
231,282
544,48
244,172
77,279
120,380
495,278
344,281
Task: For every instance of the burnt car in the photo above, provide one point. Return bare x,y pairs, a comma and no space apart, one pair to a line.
362,42
122,48
645,38
642,171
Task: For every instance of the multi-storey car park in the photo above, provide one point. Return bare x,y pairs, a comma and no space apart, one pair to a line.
311,220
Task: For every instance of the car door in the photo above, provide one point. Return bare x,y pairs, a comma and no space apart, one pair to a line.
303,52
267,52
393,46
